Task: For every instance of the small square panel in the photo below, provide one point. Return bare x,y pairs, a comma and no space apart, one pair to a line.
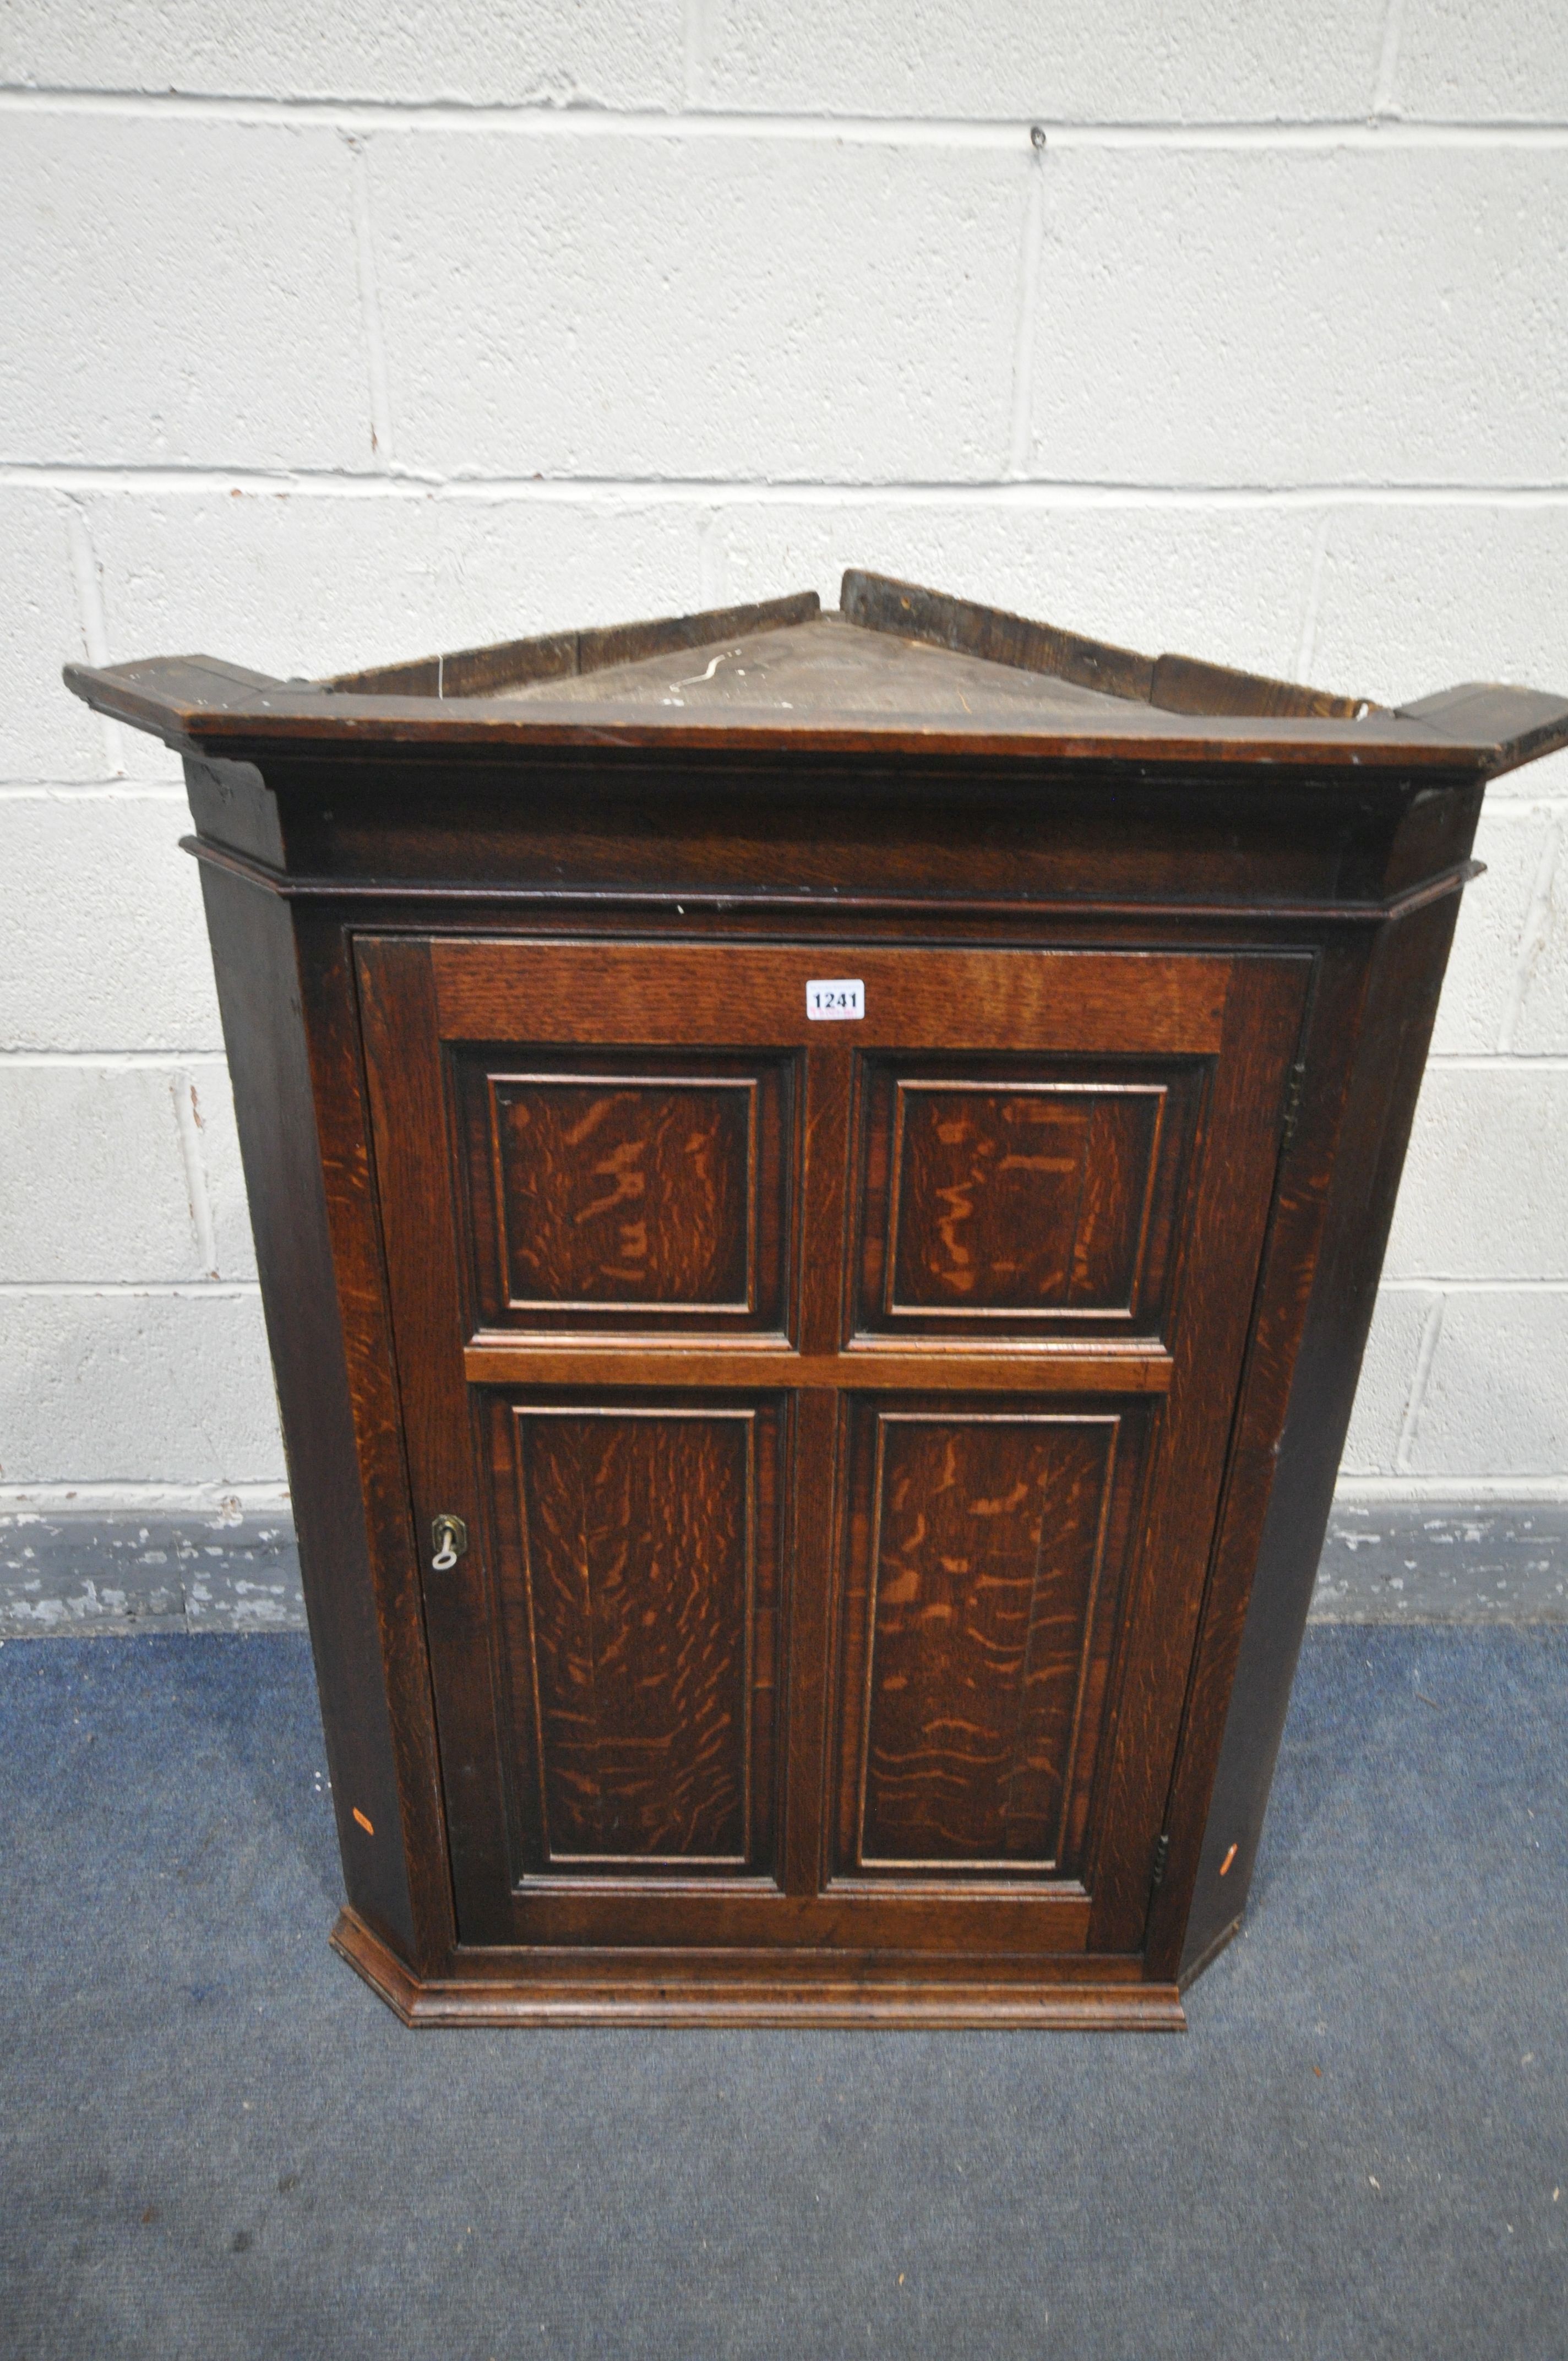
615,1191
628,1198
1018,1200
1031,1198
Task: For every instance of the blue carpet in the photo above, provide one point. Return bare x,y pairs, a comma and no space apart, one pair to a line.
215,2142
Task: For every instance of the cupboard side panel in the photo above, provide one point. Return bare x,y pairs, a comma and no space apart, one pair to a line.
415,1181
1352,1160
1226,1227
334,1045
1291,1258
336,1424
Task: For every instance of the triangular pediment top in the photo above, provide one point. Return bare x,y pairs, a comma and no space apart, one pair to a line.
892,647
896,670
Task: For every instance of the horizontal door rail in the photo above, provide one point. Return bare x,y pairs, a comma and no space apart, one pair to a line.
495,1361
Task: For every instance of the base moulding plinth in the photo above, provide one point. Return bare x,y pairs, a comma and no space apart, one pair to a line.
698,1989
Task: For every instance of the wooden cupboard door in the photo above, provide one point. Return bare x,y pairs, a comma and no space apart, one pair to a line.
838,1410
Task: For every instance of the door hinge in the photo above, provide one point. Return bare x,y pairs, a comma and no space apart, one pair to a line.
1292,1104
1161,1855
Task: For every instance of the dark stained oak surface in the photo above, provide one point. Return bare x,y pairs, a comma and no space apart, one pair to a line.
1019,1200
825,661
993,1204
980,1506
633,1191
1076,1002
624,1191
1106,1366
986,1533
565,655
628,1603
900,669
891,1453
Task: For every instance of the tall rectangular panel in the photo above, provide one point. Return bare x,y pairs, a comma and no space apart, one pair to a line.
637,1591
984,1552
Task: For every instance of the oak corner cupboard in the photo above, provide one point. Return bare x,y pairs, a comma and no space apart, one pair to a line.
819,1180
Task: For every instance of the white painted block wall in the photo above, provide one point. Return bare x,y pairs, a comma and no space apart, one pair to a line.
328,335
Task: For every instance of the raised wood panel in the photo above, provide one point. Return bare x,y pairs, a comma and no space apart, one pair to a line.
1031,1198
983,1560
1003,1196
635,1586
624,1195
627,1192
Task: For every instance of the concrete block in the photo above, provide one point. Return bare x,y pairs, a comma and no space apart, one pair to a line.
103,943
295,583
1387,1376
1484,1194
551,53
1385,1561
1496,1399
67,1574
698,308
45,734
1494,929
128,1387
1491,59
1419,596
1541,1023
190,293
96,1181
216,1147
1069,60
1230,583
1256,316
1445,1562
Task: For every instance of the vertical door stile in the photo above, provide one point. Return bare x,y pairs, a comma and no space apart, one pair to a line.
419,1215
1226,1223
816,1443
